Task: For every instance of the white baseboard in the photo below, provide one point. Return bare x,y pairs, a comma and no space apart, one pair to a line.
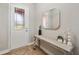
22,46
4,51
29,44
8,50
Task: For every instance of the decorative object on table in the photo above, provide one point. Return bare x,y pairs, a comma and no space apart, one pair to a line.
69,39
40,31
60,39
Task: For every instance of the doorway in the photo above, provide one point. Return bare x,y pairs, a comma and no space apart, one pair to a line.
19,25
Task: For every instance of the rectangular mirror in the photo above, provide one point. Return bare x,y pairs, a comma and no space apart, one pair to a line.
51,19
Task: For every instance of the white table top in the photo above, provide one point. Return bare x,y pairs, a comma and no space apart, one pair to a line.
56,43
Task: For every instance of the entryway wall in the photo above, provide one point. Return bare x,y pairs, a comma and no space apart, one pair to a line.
69,21
4,18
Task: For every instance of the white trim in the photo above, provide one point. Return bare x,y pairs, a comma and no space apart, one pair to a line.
9,27
30,43
8,50
22,46
4,51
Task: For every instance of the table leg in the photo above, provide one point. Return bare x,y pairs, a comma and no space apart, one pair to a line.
34,44
38,43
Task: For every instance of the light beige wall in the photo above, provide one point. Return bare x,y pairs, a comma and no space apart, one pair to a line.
32,23
4,12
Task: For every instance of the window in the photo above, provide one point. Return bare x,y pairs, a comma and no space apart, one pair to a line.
19,18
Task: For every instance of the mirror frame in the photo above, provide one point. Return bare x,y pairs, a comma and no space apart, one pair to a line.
59,20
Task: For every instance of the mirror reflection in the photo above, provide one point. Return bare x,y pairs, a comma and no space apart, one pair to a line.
51,20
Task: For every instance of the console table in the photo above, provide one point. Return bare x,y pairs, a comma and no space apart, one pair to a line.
60,46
